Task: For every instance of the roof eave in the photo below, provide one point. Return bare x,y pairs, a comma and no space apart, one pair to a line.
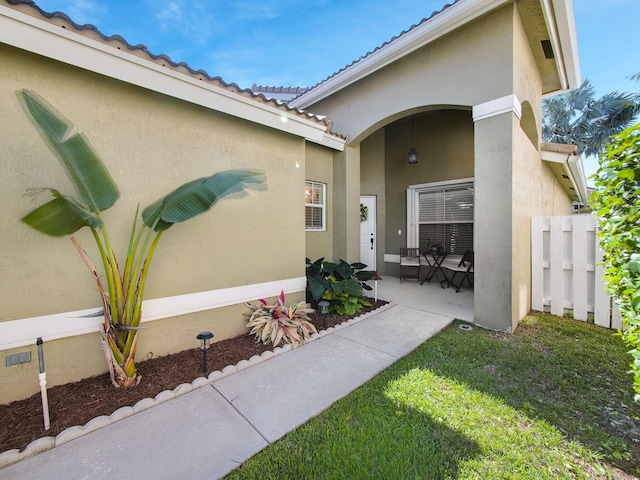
560,20
571,170
43,38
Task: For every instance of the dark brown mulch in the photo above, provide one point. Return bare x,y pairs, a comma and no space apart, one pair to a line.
77,403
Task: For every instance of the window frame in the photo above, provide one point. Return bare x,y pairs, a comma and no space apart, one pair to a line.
413,206
322,206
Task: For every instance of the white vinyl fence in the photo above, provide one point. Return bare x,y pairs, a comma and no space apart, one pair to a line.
566,270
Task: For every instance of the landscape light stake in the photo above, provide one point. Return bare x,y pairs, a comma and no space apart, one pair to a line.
205,338
324,309
42,376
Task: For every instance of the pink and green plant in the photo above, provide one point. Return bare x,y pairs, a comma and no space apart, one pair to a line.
278,323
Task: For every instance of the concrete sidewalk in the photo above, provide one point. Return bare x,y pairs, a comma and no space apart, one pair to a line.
211,430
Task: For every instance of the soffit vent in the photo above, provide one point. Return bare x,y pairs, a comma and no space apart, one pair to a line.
547,49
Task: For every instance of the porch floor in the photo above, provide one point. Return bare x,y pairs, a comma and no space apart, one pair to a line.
428,297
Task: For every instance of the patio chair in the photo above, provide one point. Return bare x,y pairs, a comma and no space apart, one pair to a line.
410,259
464,270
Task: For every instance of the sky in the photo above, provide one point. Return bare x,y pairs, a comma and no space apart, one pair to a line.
300,43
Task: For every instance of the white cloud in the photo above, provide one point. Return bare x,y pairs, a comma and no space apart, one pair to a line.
170,14
192,21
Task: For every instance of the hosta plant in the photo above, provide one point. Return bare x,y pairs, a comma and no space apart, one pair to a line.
341,284
277,323
96,192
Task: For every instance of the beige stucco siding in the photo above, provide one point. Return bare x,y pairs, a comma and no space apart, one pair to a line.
151,144
372,182
346,198
466,67
319,168
535,189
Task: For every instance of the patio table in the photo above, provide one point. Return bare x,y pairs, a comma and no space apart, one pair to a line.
434,262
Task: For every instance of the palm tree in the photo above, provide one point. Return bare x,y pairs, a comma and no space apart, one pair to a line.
95,193
577,118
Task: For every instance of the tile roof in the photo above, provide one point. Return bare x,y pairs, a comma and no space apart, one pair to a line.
372,52
285,90
62,20
283,94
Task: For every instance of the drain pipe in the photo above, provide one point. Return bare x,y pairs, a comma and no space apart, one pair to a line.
42,376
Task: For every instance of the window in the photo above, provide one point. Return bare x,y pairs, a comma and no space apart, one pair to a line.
314,206
442,214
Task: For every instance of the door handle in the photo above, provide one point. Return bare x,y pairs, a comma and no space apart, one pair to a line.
372,241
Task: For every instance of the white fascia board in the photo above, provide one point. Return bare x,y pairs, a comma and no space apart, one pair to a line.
25,331
560,20
335,143
37,36
574,169
444,22
579,178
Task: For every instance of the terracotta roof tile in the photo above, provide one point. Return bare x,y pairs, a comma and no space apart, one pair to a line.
116,41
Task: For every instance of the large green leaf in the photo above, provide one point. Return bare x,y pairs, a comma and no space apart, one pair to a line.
198,196
57,218
93,184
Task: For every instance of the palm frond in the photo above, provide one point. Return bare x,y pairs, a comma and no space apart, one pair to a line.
578,118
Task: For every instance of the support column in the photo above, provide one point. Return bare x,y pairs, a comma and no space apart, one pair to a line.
494,135
346,205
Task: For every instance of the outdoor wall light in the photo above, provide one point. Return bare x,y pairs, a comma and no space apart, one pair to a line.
205,338
413,156
324,309
413,153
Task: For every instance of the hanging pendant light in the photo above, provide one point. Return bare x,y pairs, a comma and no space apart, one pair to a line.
413,153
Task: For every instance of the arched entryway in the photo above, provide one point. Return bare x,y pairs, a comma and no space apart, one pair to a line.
443,140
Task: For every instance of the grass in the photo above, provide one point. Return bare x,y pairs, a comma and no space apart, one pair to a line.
551,401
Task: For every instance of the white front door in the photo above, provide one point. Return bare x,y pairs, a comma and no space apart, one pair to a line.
368,241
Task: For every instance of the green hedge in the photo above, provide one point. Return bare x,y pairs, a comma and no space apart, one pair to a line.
616,201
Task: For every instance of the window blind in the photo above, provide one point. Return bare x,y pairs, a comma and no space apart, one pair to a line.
445,216
314,211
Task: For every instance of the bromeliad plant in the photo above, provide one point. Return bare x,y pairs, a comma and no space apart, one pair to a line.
276,323
95,193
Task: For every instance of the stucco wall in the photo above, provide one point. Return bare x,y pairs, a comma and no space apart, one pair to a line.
466,67
150,144
319,168
346,198
535,189
372,182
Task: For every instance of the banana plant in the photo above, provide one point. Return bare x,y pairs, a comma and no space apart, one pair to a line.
95,192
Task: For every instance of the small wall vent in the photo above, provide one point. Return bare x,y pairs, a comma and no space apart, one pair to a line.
17,358
547,49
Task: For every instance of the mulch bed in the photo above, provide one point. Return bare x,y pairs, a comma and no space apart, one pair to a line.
77,403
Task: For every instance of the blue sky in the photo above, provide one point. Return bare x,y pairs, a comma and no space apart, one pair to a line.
296,43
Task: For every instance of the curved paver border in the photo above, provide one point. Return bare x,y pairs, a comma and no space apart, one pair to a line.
47,443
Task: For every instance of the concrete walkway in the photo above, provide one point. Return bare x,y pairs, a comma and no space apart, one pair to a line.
211,430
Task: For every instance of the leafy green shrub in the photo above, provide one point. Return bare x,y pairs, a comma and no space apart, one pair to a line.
341,284
616,201
276,323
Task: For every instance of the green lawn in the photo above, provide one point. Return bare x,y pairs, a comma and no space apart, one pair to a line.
550,401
